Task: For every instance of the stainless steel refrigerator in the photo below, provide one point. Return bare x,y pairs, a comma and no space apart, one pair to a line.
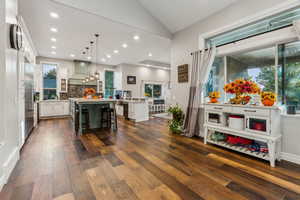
29,104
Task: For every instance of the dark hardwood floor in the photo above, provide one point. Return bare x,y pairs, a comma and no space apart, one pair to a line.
141,161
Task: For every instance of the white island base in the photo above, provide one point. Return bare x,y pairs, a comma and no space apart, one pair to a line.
138,111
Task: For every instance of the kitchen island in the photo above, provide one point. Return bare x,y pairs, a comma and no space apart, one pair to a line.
89,114
135,109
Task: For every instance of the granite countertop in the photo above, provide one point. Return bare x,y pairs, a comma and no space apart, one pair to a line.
52,100
82,100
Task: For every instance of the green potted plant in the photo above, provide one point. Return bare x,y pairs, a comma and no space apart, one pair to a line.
175,125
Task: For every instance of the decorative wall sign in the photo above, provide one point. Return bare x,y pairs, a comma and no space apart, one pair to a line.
131,79
15,36
183,73
63,85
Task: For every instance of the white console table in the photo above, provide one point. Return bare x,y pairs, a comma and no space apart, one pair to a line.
269,116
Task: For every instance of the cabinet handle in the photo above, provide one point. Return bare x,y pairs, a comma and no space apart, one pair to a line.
253,111
218,108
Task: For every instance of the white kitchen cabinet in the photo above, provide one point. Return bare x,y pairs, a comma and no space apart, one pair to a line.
54,108
138,111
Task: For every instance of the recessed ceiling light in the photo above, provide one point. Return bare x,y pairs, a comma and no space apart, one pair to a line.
53,52
54,30
103,60
116,51
72,55
89,57
150,54
53,47
54,15
53,39
108,55
136,37
124,45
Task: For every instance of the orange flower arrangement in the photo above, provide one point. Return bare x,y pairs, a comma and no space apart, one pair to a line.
89,91
240,88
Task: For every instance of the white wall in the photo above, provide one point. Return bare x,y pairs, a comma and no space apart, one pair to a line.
187,41
143,75
12,87
2,85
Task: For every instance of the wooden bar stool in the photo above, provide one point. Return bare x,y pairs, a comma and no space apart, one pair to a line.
114,120
86,118
105,116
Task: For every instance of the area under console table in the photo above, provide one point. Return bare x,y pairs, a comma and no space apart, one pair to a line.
217,120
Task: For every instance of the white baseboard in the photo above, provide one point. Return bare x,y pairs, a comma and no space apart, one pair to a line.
8,166
290,157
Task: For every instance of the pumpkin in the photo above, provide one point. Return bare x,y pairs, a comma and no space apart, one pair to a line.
213,100
268,102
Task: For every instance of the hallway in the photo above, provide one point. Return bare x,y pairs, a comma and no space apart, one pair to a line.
141,161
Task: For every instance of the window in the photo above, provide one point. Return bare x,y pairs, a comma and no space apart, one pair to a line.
268,24
258,65
109,84
289,74
153,91
216,77
49,81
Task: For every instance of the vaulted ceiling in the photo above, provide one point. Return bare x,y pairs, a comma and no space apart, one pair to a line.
179,14
117,22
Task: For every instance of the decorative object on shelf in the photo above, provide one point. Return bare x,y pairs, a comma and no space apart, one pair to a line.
268,98
175,125
89,93
214,96
236,122
131,80
235,140
63,85
291,109
183,73
218,136
241,88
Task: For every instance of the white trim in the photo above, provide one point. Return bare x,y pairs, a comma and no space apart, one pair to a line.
27,35
8,166
290,157
247,20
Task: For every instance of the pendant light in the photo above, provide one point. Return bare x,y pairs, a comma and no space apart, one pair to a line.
97,75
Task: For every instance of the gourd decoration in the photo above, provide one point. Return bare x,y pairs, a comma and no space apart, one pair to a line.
268,98
214,96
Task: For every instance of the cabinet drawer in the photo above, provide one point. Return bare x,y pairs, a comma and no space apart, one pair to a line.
219,108
251,111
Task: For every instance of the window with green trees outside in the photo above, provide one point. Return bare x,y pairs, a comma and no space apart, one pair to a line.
109,84
260,66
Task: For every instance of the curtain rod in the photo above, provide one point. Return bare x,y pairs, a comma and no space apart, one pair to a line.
248,37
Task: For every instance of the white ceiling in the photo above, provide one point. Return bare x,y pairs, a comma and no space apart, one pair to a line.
179,14
76,29
117,21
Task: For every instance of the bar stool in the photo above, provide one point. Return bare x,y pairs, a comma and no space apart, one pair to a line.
86,118
105,116
114,120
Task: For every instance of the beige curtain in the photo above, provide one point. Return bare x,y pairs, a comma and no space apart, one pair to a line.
201,66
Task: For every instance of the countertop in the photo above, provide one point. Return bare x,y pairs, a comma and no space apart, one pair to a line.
244,106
